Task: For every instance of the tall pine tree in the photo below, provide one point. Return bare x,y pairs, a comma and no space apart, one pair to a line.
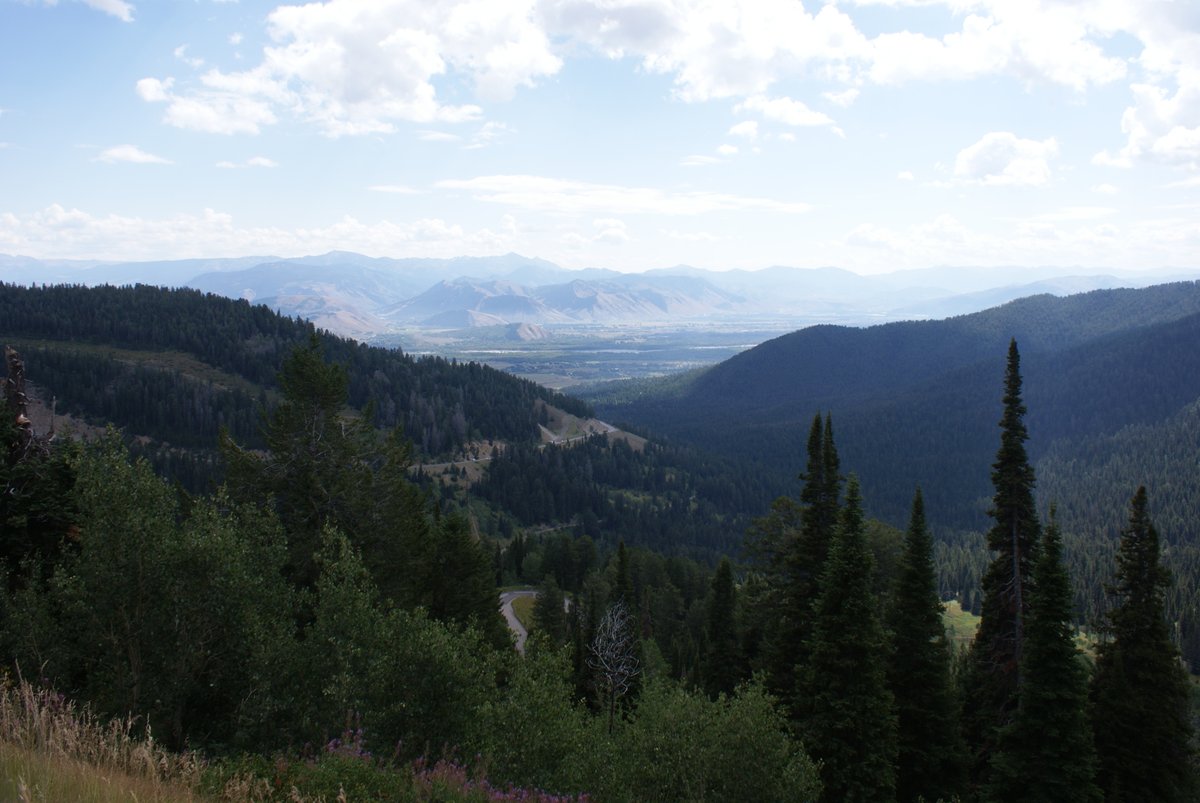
849,722
793,543
993,673
1046,754
722,663
1140,691
806,560
931,758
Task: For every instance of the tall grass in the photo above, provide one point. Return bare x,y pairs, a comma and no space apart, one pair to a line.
51,750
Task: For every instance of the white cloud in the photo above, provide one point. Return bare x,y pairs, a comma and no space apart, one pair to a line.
697,160
1161,126
398,189
1193,181
845,98
437,136
1104,189
153,90
1040,40
1071,237
905,175
727,150
1069,213
235,39
1002,158
689,236
358,68
747,129
117,8
741,48
488,133
181,54
57,232
216,112
712,49
253,161
130,153
577,197
785,110
610,230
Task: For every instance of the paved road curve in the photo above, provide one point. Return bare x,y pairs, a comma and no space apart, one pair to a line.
514,624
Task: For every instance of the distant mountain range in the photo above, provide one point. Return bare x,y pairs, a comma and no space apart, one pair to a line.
360,296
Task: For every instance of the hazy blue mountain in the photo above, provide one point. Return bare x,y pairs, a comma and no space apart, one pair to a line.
363,296
450,300
917,402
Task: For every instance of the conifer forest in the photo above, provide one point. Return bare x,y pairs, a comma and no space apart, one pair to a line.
282,552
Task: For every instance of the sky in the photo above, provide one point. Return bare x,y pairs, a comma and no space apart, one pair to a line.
872,135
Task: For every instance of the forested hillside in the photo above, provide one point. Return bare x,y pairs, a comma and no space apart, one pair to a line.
172,368
177,365
332,593
1112,379
913,401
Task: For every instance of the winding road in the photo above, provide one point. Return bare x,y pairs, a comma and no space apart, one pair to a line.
514,624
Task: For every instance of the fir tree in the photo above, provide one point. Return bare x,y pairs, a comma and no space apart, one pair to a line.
1046,754
721,658
993,673
1140,692
849,722
931,754
624,589
801,557
550,613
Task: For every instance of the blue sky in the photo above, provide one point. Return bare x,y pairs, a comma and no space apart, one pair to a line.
867,134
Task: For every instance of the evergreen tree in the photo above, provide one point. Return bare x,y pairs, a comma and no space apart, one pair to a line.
549,612
797,540
1046,753
315,471
721,657
931,757
849,719
993,674
460,587
624,589
1140,691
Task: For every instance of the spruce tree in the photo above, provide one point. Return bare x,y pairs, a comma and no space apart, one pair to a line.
1140,694
806,554
931,757
993,672
550,612
721,656
1046,754
849,722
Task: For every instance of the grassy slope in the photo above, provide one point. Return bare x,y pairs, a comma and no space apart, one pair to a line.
28,775
523,609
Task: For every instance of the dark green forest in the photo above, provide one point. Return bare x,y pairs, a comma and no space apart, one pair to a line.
319,607
1113,377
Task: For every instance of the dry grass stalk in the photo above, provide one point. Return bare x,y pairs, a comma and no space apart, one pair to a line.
52,750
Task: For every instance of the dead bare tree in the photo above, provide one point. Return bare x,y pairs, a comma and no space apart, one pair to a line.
23,443
612,657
